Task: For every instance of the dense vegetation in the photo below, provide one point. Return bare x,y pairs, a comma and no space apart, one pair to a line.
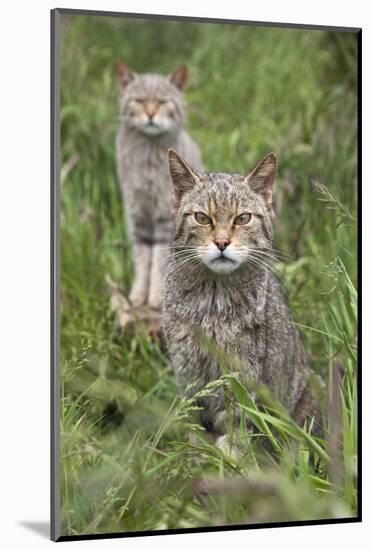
127,463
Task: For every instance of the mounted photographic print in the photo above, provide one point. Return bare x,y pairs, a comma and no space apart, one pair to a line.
205,210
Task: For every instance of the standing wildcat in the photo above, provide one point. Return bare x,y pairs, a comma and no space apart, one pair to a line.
152,110
217,282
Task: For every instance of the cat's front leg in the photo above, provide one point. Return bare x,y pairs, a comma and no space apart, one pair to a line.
159,254
142,265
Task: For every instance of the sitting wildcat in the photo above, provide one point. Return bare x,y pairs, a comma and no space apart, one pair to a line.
152,109
218,284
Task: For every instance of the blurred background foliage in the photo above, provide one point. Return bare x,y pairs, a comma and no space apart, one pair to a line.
127,464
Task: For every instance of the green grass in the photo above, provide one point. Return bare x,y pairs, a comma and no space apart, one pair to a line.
127,463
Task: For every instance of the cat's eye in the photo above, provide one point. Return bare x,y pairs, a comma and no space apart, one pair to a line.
242,219
139,100
162,101
202,219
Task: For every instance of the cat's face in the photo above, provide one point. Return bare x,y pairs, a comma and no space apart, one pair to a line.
223,220
150,103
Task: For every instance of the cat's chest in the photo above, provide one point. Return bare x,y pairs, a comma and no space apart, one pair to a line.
225,315
148,167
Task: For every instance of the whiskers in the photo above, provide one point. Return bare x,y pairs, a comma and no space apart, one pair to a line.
265,258
177,247
183,256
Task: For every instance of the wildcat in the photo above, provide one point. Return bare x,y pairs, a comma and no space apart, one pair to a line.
218,282
152,110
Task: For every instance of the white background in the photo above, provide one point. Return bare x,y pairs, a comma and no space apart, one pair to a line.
25,265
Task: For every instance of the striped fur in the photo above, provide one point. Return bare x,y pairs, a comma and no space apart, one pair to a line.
236,310
153,115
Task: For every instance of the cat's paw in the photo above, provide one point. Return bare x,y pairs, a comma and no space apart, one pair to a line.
137,296
224,445
154,299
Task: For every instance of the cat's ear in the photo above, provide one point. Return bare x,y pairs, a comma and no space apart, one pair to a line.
182,175
179,77
125,74
261,179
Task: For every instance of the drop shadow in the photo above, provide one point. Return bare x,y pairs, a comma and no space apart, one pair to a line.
42,528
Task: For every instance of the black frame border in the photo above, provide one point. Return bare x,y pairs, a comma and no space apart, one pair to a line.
55,271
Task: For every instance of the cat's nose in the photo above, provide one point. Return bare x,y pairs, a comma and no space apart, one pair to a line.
222,243
150,110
